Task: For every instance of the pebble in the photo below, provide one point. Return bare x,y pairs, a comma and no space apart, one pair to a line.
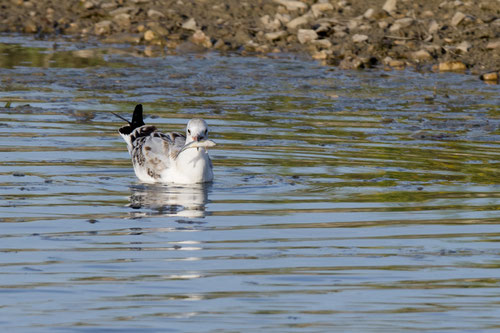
323,43
275,35
270,24
447,66
457,18
464,46
200,38
122,20
320,55
398,64
358,38
292,5
102,28
369,13
492,76
306,35
30,27
318,8
155,14
390,6
493,45
190,24
149,35
433,27
296,22
421,55
401,24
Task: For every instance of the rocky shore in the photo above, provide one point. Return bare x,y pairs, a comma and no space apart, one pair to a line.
443,35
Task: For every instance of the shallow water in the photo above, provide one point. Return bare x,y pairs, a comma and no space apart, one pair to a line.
349,201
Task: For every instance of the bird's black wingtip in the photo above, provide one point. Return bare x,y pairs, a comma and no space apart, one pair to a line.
137,119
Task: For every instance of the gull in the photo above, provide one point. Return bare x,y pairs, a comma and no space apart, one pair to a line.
168,157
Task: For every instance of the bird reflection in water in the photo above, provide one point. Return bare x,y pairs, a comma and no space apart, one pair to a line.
170,200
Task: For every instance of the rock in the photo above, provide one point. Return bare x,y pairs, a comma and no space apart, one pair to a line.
30,27
292,5
448,66
464,46
283,18
306,35
155,14
320,55
369,13
88,5
149,35
492,76
421,55
121,10
318,8
457,18
122,20
124,38
493,45
275,35
270,24
296,22
401,24
323,43
433,27
190,25
352,24
102,28
398,64
390,6
201,39
357,38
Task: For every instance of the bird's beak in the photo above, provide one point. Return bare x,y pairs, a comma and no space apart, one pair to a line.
196,138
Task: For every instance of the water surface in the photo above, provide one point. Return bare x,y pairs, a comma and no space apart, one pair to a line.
343,201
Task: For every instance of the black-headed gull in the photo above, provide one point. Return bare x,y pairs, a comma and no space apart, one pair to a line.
168,157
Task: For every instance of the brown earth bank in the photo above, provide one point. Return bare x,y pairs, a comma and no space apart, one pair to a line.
442,35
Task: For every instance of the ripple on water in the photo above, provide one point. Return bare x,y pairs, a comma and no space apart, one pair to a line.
357,201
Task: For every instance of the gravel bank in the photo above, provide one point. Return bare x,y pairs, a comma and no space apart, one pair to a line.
428,35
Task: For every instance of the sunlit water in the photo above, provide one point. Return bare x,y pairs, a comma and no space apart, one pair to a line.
344,201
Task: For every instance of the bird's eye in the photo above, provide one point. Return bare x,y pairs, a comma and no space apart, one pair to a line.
206,131
189,131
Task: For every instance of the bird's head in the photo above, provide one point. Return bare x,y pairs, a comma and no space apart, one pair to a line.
196,130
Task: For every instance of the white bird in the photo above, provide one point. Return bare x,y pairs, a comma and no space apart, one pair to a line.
168,157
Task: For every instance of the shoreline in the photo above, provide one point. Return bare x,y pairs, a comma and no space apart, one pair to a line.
458,36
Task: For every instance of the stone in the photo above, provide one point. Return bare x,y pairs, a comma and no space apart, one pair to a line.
122,20
421,55
369,13
190,24
283,18
149,35
200,38
121,10
318,8
396,63
320,55
323,43
30,26
401,24
358,38
464,46
492,77
306,35
390,6
102,28
433,27
448,66
493,45
457,18
298,21
270,24
275,35
155,14
292,5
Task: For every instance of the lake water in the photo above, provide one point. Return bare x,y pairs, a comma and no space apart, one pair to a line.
343,201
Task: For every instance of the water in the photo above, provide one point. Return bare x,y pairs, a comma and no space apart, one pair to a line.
343,201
